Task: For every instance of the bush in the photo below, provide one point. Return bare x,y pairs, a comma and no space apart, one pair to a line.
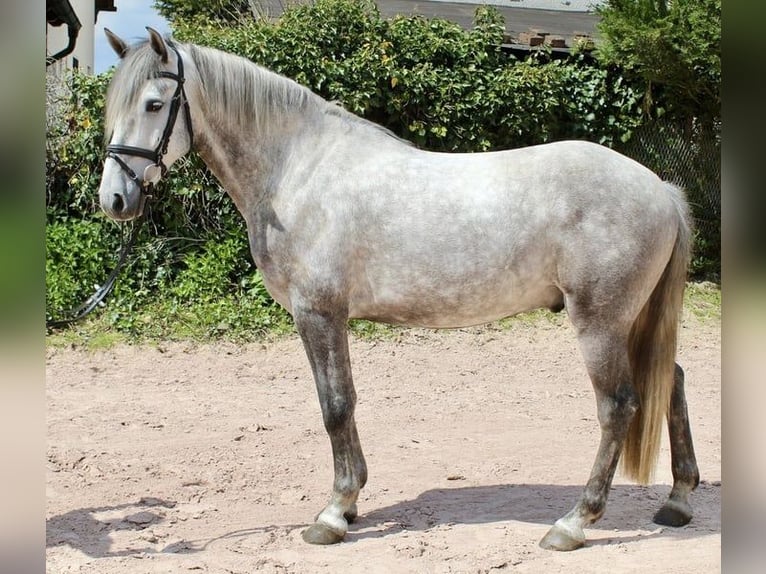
430,81
75,261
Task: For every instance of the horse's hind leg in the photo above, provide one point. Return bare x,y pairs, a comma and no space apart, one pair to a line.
325,340
677,511
606,358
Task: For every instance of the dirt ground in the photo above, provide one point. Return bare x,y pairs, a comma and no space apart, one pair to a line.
213,458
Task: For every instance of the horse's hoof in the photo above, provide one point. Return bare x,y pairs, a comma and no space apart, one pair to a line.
562,540
674,513
319,533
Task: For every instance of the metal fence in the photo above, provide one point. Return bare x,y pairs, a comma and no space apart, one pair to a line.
689,156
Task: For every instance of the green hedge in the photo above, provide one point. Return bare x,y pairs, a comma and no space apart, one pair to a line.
428,80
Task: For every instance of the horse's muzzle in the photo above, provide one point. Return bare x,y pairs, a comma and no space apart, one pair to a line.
118,204
123,206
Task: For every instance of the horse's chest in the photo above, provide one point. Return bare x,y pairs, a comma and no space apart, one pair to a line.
269,254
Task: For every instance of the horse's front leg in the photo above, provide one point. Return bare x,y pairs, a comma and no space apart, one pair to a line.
326,342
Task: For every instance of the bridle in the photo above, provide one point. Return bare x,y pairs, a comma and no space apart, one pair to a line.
156,155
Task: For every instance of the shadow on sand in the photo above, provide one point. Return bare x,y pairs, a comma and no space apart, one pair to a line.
629,508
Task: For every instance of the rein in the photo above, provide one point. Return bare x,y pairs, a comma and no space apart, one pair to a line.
102,290
145,185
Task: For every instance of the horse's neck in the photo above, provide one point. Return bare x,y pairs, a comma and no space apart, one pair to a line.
251,160
248,162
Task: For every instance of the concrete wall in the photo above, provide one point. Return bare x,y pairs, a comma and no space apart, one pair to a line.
57,38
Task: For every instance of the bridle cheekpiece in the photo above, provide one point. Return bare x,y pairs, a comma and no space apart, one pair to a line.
156,155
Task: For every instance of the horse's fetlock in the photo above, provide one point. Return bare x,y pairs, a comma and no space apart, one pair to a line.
592,503
348,486
695,477
679,375
362,475
594,507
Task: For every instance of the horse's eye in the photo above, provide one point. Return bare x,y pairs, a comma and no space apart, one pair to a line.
153,106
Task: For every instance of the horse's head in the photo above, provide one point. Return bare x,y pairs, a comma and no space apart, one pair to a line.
144,102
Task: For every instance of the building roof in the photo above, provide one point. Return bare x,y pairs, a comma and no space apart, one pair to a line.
60,12
105,6
529,24
552,5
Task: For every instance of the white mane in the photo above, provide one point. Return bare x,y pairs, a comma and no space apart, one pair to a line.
233,89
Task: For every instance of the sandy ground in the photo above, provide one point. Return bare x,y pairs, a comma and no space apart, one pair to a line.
213,458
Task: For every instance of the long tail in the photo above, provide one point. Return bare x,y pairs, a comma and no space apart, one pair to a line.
652,352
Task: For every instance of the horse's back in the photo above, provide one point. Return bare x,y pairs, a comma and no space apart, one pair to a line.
446,240
458,239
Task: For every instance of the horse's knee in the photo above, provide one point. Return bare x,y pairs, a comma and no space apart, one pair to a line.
337,412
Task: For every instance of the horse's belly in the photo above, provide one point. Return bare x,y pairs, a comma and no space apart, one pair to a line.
453,306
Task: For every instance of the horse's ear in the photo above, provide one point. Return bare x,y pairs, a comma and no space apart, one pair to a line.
158,44
117,43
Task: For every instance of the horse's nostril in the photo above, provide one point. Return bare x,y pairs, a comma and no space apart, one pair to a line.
117,203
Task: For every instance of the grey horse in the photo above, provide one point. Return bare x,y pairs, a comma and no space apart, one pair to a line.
347,221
